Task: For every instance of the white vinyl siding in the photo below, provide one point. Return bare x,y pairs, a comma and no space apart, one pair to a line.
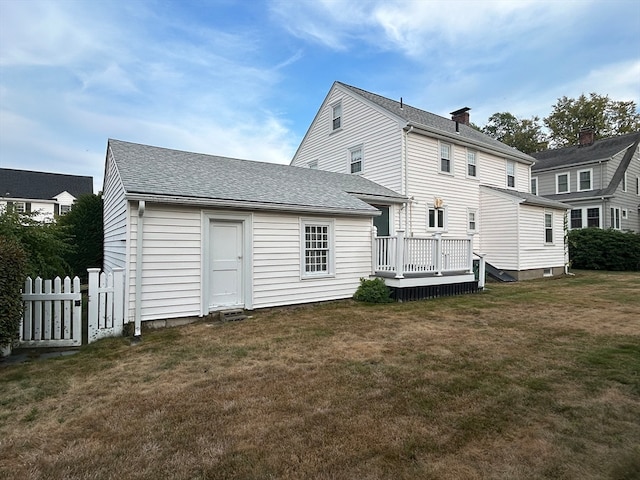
367,125
115,219
535,253
277,260
500,236
171,262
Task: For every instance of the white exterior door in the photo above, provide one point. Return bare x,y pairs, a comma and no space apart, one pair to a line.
226,274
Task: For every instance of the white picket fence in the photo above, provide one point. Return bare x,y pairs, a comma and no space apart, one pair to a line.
53,310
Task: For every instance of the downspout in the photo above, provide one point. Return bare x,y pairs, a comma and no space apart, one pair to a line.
138,293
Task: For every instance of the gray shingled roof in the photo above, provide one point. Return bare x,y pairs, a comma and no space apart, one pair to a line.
602,149
148,170
417,116
530,199
41,185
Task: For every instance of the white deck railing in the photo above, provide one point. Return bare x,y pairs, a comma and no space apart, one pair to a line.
435,255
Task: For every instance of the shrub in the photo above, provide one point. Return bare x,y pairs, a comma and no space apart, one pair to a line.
373,291
596,249
13,267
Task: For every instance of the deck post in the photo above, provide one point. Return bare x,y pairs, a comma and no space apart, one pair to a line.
470,254
399,267
481,270
438,255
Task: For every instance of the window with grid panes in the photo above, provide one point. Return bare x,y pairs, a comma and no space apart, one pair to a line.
316,249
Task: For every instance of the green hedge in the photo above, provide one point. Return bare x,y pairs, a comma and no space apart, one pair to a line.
596,249
13,268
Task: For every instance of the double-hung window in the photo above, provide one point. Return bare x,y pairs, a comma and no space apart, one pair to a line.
471,164
562,183
624,182
336,116
472,220
615,218
317,248
584,180
534,185
511,174
593,217
548,227
576,218
445,158
355,159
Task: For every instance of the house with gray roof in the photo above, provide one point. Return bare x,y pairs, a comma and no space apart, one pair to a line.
461,184
198,233
45,194
600,180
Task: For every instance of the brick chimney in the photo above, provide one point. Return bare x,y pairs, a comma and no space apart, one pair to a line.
586,136
461,116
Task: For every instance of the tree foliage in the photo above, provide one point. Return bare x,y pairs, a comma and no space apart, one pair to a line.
562,127
83,225
606,116
45,244
13,267
523,134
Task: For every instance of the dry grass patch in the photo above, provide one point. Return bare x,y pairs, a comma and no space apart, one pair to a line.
532,380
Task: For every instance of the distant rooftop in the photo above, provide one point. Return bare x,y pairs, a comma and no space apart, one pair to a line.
602,149
28,184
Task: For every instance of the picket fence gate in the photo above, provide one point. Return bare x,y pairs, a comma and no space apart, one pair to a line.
53,310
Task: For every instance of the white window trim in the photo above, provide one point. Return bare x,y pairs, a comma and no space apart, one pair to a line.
473,211
475,163
350,163
547,228
324,222
440,157
445,210
335,105
558,175
625,214
586,216
612,213
534,180
638,186
507,164
580,189
624,182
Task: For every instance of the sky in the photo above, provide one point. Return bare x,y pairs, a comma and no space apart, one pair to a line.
245,79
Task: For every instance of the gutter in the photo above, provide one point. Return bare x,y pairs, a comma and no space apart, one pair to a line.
455,137
245,205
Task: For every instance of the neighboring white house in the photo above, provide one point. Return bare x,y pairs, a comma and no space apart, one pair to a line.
600,180
460,182
199,233
44,194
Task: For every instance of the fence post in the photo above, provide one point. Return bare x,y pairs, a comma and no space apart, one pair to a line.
400,253
118,299
94,301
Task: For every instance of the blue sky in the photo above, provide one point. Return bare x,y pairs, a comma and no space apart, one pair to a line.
245,79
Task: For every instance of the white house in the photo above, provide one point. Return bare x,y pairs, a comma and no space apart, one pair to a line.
600,180
44,194
461,183
199,233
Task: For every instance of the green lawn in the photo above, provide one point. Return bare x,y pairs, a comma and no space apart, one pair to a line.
532,380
